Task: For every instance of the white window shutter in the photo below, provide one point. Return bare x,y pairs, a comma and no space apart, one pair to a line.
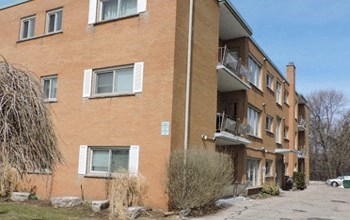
87,83
82,160
141,5
134,159
138,77
92,11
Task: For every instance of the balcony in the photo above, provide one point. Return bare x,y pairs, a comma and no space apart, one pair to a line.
301,124
231,72
230,131
302,153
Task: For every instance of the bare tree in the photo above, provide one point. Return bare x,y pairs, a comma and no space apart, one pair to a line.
329,134
27,138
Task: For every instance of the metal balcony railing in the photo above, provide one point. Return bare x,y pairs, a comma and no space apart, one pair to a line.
301,122
230,124
229,59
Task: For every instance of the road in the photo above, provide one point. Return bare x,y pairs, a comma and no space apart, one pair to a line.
317,202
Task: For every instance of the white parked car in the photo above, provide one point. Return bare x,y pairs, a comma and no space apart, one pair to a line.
336,182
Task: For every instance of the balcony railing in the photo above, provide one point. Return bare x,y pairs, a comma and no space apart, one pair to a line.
301,124
230,124
229,59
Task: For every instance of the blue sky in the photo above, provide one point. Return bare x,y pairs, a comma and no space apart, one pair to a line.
314,34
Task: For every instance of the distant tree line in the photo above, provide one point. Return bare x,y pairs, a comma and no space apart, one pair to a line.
329,134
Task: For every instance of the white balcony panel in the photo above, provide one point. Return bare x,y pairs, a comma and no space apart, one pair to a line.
225,138
229,81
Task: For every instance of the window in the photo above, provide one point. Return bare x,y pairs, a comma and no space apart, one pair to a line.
102,161
268,123
114,81
126,79
255,72
278,130
27,27
268,167
286,131
111,9
269,81
253,174
286,97
279,92
254,122
109,160
50,88
54,21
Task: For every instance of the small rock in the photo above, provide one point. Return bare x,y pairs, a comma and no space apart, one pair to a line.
135,212
19,196
97,206
65,202
184,213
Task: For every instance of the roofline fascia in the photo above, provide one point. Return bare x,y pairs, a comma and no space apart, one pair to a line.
237,15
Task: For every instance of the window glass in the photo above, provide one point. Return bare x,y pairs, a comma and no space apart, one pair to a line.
278,92
54,21
120,160
278,130
268,167
128,7
116,81
124,80
27,28
117,8
50,87
255,72
269,123
105,82
254,122
269,81
100,160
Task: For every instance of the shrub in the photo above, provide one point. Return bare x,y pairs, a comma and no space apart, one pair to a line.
271,189
299,181
126,190
9,182
201,182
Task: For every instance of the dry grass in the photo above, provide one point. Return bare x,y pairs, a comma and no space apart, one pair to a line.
126,190
27,138
201,182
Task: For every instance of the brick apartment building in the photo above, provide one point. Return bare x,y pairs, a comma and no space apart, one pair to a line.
127,81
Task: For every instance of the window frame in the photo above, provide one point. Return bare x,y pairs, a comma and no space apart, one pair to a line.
43,79
268,168
269,128
286,97
114,70
100,11
110,151
256,122
256,80
278,130
31,23
286,132
256,164
48,13
279,92
269,75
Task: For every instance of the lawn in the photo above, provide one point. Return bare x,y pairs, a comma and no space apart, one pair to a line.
43,210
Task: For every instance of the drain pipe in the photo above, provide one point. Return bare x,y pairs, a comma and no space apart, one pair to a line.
188,80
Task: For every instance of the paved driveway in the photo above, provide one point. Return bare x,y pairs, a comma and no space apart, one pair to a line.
317,202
